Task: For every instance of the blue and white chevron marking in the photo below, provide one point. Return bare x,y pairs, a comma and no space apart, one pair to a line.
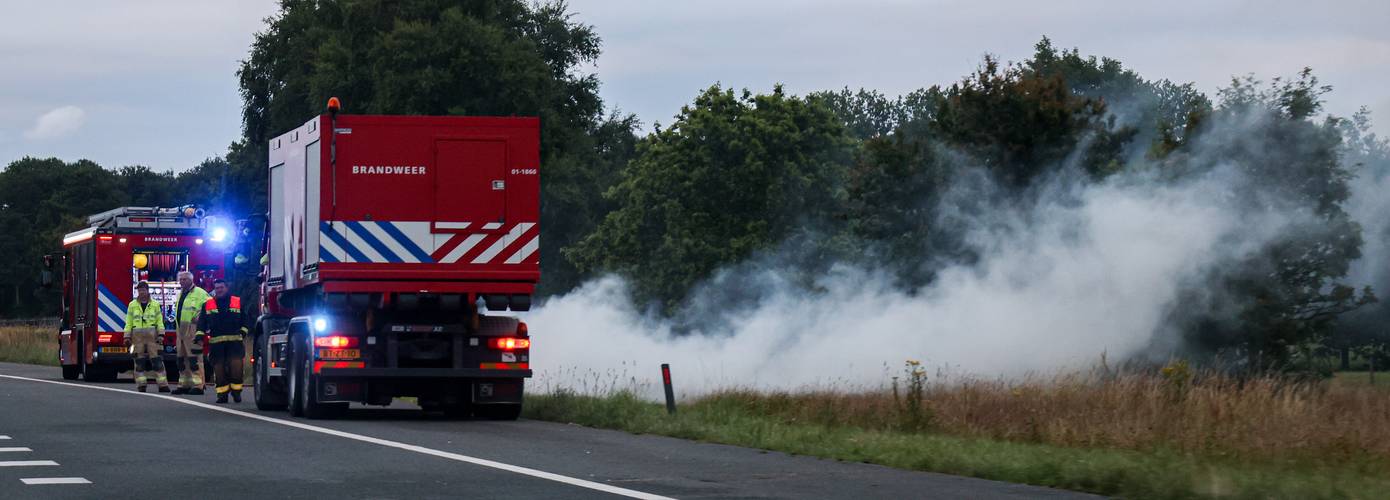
417,242
372,241
110,312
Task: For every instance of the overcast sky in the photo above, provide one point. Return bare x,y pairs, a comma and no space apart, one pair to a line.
153,83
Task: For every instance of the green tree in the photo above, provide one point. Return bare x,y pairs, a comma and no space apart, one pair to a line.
865,113
444,57
1021,123
40,201
732,176
1287,295
894,189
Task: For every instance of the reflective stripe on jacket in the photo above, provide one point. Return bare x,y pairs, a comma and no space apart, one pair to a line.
222,319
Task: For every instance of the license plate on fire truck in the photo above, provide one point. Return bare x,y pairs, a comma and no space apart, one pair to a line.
113,349
340,353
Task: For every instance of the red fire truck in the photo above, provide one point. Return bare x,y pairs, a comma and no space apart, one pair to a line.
100,266
386,237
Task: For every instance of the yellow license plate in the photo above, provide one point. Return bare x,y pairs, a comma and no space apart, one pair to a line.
340,353
114,349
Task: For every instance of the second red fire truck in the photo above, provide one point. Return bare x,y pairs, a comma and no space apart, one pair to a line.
100,266
386,239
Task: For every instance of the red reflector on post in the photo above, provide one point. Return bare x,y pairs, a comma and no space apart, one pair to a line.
509,343
335,341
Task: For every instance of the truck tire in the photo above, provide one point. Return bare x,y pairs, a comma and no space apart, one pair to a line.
70,372
501,411
305,385
98,372
269,395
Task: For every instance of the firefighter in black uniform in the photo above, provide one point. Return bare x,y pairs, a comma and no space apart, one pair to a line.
224,323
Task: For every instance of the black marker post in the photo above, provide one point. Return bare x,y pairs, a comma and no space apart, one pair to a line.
670,394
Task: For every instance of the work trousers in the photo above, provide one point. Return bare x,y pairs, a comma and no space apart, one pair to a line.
189,352
227,358
145,348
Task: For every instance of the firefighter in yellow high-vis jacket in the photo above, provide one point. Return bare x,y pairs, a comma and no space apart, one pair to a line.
144,326
190,306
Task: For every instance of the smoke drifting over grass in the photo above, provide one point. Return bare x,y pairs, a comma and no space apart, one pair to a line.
1086,269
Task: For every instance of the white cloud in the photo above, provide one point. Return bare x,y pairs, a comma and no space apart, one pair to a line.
57,123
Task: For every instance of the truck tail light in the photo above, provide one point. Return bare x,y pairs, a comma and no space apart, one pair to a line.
521,330
509,343
335,342
105,338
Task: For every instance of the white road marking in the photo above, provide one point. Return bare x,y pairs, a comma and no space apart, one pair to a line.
55,480
2,438
27,463
13,449
540,474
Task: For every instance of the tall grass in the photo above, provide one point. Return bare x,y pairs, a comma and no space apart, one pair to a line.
1266,417
28,344
1175,432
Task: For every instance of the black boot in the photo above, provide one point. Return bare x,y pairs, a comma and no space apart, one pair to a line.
163,388
222,398
196,391
236,396
140,388
180,390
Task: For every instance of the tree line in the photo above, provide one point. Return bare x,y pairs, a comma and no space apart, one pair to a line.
839,176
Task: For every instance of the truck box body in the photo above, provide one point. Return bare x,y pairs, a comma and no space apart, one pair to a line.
99,276
393,204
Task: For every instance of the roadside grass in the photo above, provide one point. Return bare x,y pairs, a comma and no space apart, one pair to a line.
1355,379
1168,434
26,344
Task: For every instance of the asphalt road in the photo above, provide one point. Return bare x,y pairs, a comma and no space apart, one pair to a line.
108,441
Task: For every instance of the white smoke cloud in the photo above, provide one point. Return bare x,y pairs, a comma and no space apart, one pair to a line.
1091,268
1369,205
57,123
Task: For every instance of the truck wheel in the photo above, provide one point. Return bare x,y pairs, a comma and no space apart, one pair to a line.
97,372
269,395
70,372
507,411
305,386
